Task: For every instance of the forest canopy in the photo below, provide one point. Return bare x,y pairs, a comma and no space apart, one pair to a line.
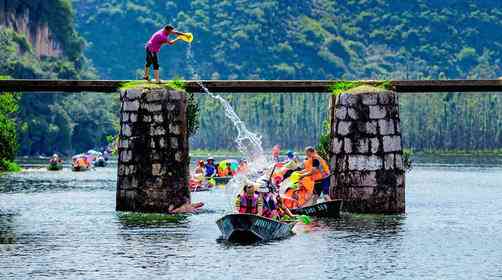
351,39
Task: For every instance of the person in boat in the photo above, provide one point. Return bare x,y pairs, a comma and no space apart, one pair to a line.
249,201
273,205
81,162
55,159
200,170
228,170
317,170
276,151
210,167
269,209
243,166
198,179
152,49
292,164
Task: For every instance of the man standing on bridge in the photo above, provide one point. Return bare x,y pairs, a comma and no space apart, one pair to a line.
153,48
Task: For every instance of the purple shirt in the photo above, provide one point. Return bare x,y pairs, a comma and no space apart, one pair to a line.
158,38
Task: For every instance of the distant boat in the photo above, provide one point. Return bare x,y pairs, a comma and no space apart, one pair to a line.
55,166
80,163
100,162
78,168
248,228
328,209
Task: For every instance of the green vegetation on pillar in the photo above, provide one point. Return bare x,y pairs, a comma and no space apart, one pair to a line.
193,110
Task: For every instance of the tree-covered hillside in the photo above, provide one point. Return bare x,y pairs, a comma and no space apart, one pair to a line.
48,123
312,39
271,39
315,39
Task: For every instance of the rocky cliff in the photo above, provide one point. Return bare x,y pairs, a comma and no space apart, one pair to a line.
24,17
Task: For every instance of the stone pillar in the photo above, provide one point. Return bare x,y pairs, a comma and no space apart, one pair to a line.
153,151
366,151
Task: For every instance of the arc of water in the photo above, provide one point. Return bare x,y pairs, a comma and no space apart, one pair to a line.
248,142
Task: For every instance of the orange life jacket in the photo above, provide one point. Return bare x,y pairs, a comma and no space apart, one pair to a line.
318,174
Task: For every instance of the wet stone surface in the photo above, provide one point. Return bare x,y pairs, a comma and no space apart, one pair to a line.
366,151
153,151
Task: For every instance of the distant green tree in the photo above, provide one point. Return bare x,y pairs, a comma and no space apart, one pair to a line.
8,143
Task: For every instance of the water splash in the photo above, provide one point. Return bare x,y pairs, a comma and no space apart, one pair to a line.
248,142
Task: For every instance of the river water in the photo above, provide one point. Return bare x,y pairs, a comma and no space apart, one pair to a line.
62,225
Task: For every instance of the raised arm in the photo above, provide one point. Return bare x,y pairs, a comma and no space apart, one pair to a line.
171,42
177,33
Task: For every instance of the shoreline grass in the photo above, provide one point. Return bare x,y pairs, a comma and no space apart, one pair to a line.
7,166
459,152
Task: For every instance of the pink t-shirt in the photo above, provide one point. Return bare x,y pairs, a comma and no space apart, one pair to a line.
158,38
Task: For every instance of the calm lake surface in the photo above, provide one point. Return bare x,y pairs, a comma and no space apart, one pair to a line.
63,225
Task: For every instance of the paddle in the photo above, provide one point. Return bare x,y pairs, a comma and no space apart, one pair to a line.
270,177
303,219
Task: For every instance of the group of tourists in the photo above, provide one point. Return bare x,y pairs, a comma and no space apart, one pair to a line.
91,158
225,168
205,172
288,184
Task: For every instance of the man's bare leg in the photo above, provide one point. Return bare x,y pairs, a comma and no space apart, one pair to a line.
147,73
156,76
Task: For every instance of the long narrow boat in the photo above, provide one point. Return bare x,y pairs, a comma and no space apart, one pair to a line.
222,180
328,209
248,228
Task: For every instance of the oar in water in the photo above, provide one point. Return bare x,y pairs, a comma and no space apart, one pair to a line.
304,219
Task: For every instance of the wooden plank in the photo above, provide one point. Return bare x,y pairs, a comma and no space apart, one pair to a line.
255,86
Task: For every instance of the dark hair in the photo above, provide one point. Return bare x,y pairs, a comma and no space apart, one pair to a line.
310,149
169,27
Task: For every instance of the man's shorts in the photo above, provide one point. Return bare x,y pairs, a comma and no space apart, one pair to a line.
151,58
322,187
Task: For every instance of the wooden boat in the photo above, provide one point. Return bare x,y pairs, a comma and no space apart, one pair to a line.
200,188
248,228
328,209
222,180
78,168
100,162
55,166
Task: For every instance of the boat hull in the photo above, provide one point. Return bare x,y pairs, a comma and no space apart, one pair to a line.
79,168
248,228
55,167
100,163
329,209
222,180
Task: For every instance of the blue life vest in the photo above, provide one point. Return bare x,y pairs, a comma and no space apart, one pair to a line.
210,170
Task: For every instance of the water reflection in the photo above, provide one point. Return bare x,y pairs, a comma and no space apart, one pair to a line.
7,230
63,225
